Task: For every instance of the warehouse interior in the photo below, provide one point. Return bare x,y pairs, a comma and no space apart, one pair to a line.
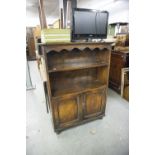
79,130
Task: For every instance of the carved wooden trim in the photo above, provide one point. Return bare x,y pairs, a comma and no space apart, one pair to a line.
70,47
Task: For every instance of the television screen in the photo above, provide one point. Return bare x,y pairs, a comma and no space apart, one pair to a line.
88,23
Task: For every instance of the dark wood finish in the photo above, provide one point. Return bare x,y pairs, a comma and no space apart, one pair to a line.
75,66
94,102
126,93
125,83
58,47
77,80
76,59
31,54
66,110
119,60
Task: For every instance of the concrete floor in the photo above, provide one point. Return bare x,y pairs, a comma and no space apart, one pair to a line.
107,136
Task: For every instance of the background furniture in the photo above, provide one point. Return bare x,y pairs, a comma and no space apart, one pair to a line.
117,28
125,83
32,34
30,42
77,79
119,60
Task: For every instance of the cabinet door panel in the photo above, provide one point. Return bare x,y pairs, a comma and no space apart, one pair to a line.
94,103
67,110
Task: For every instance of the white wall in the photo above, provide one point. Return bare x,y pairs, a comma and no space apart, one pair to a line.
34,21
118,10
121,16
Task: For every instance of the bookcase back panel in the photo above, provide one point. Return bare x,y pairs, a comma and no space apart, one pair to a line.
76,58
73,77
74,81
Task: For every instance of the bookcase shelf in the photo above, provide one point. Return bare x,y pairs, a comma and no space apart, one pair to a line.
79,88
76,66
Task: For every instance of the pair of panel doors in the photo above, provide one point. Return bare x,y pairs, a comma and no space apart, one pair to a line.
73,109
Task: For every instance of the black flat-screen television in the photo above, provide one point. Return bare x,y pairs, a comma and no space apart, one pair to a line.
89,24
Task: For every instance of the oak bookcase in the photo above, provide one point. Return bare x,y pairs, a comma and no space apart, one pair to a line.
77,80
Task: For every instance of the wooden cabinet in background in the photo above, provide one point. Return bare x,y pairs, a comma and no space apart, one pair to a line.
119,60
77,80
31,55
32,34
